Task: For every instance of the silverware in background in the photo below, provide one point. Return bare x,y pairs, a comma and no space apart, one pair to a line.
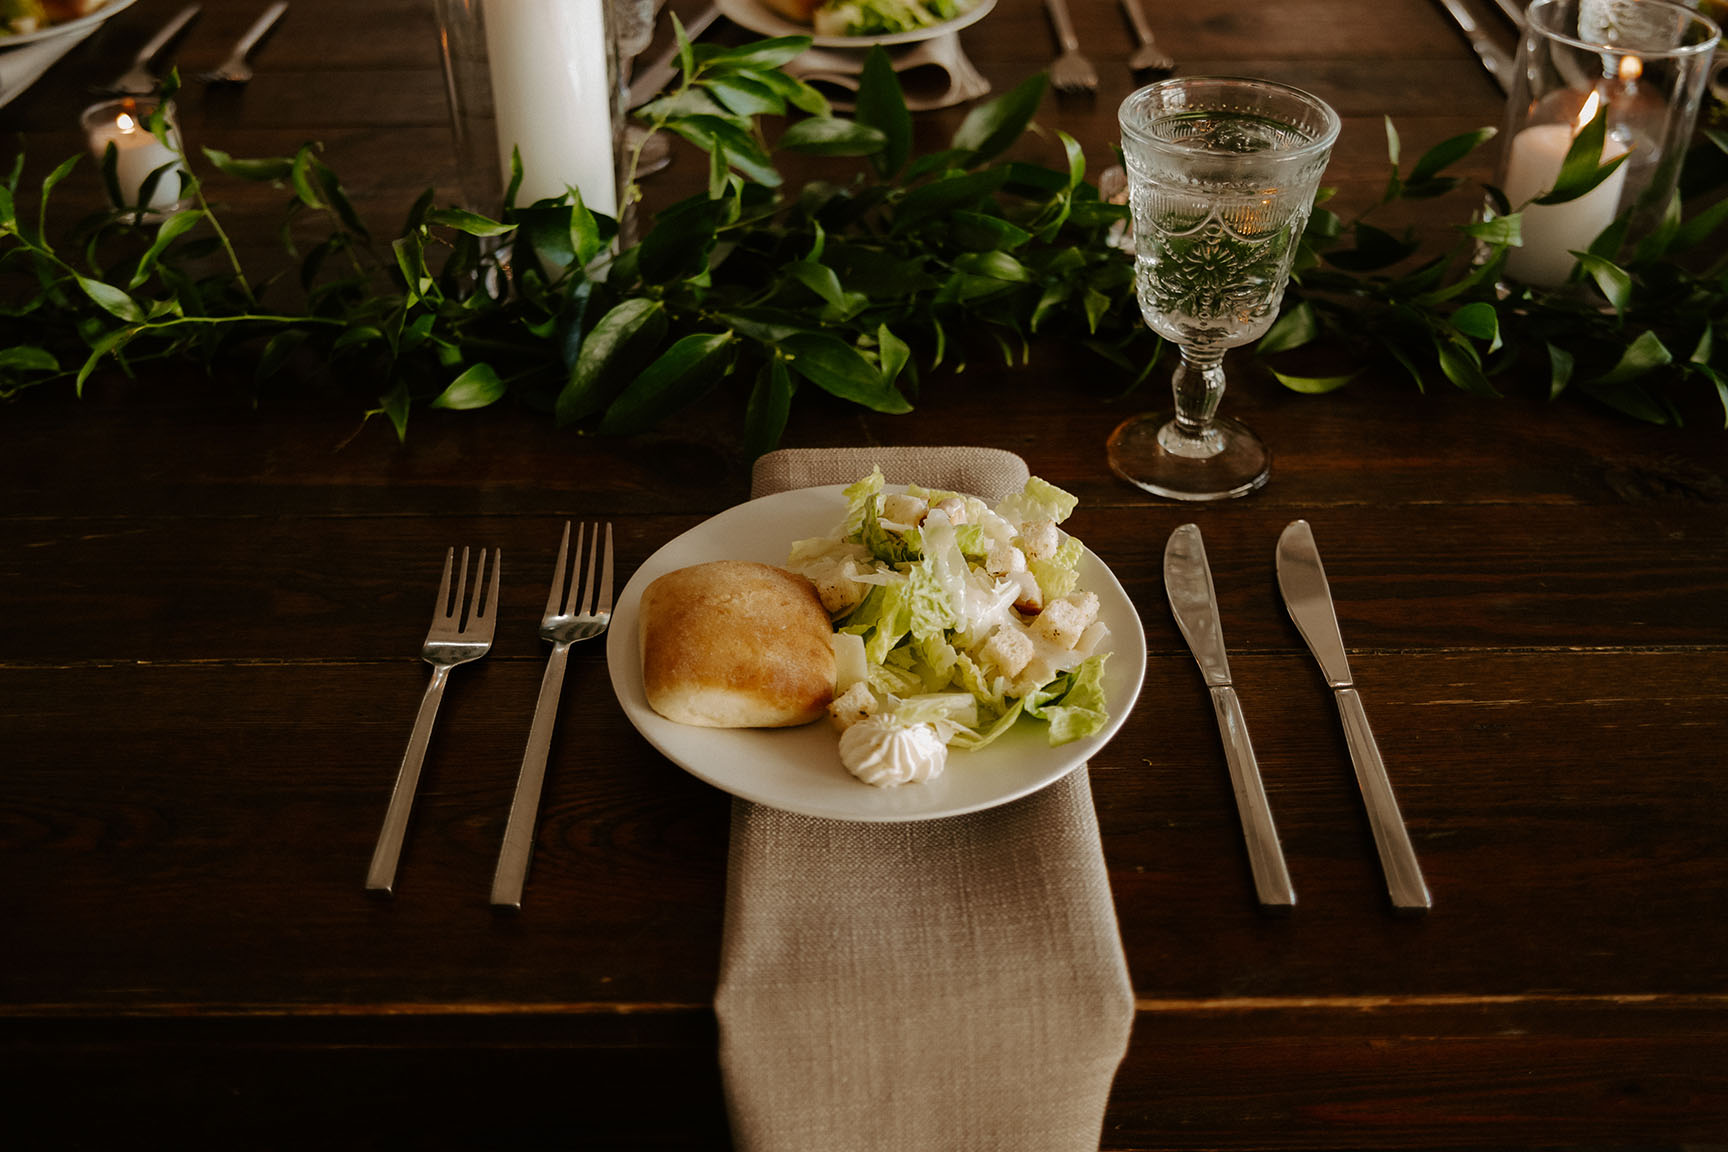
1188,583
1309,599
1148,60
236,69
139,80
1495,59
581,615
1070,71
455,638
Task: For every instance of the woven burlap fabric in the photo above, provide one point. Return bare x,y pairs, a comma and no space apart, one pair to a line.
942,985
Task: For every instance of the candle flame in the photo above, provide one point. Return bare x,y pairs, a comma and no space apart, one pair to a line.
125,123
1588,112
1631,67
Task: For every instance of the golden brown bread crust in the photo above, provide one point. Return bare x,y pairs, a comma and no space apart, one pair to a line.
798,11
732,644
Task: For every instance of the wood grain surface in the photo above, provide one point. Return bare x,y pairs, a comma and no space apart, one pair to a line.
210,615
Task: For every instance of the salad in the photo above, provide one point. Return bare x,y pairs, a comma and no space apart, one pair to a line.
953,620
19,17
884,17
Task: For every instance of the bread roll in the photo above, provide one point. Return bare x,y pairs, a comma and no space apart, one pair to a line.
798,11
732,644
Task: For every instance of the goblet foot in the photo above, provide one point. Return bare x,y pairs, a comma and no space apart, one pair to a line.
1221,461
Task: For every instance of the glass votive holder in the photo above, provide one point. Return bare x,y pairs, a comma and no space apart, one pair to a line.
147,167
1643,65
538,77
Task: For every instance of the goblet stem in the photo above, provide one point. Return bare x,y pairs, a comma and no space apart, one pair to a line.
1198,386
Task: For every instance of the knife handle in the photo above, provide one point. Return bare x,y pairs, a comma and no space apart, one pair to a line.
1397,857
1265,857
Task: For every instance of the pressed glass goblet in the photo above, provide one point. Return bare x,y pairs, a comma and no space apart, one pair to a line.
1222,173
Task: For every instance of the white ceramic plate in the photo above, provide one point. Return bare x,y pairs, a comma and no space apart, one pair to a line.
68,28
758,17
799,769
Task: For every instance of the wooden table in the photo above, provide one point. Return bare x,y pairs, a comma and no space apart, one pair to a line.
209,668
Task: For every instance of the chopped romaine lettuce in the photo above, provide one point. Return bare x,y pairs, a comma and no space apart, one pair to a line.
940,593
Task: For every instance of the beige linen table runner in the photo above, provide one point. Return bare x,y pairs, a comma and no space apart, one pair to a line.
941,985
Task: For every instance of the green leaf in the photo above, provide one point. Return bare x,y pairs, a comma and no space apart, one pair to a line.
1462,366
1583,170
841,370
109,343
24,358
756,55
1298,326
1614,281
768,408
475,388
1447,153
1561,364
469,222
171,229
110,299
742,151
1506,230
992,128
1706,346
682,374
796,93
893,352
881,104
745,96
1643,356
274,168
1312,385
982,232
831,136
1479,320
1375,249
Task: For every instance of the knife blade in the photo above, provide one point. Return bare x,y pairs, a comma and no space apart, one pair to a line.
1494,58
1194,603
1302,580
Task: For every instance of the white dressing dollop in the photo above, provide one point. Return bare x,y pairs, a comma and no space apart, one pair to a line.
882,752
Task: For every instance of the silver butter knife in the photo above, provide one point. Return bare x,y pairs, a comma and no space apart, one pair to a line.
1188,583
1309,599
1494,58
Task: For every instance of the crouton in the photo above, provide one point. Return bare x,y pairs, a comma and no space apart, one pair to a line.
1008,650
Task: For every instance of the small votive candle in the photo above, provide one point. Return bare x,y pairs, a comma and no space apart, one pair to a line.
125,124
1552,232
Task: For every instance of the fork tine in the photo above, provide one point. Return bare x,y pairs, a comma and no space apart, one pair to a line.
453,609
604,602
573,602
444,584
557,594
589,584
483,615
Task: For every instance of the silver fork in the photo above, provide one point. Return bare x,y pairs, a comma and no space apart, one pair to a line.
236,69
580,615
1148,59
138,80
1070,71
452,640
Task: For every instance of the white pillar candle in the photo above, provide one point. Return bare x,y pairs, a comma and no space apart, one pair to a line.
1552,232
125,124
553,96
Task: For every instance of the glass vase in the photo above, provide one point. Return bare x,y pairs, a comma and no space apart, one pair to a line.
1641,64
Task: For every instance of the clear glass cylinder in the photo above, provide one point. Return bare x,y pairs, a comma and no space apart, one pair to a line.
539,77
1644,64
147,170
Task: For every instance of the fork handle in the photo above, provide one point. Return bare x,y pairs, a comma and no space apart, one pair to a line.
382,876
249,39
512,873
1064,23
1137,17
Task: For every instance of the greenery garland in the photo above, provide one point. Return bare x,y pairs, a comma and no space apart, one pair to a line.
855,287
